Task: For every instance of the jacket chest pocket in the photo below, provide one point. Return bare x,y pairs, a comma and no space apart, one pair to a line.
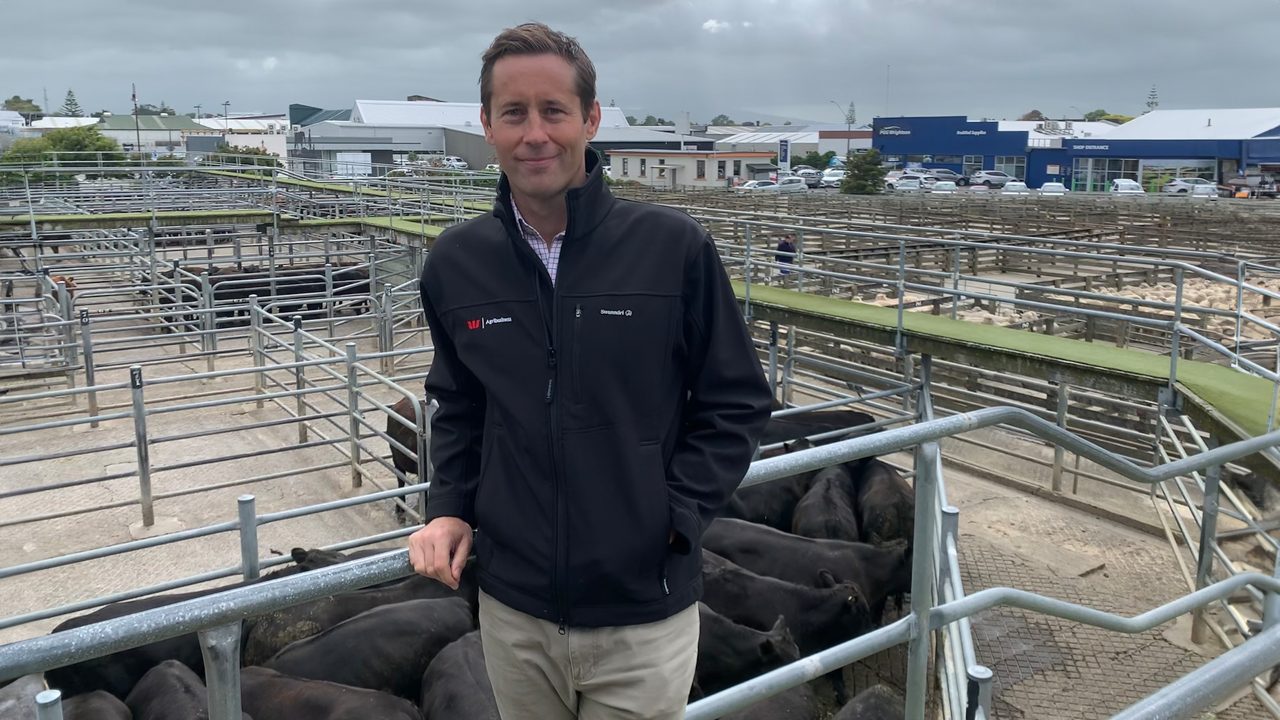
620,344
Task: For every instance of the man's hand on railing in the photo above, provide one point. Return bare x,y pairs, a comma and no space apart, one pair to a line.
440,550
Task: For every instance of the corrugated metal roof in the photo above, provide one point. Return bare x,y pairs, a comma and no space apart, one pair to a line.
54,123
768,137
11,117
437,114
1207,124
1058,128
152,122
258,125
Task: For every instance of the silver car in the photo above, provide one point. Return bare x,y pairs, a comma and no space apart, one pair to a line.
990,178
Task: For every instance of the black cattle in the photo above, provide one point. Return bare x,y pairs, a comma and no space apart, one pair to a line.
880,571
886,504
119,672
875,703
772,503
170,691
730,653
270,633
815,422
818,617
387,648
97,705
268,695
18,698
798,703
406,464
456,684
827,510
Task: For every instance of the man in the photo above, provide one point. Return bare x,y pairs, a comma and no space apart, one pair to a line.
599,401
786,253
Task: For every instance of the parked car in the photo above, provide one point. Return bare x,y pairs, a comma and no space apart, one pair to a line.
926,179
453,162
1015,187
944,187
892,176
832,177
1210,190
794,183
945,174
990,178
908,184
494,167
1127,186
1053,188
812,178
1185,185
795,169
758,186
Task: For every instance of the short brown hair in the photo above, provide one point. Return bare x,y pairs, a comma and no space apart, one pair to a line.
538,39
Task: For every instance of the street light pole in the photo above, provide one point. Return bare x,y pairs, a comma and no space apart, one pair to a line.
848,123
226,121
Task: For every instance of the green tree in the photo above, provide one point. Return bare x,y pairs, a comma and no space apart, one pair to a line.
73,145
1117,118
247,156
813,159
1032,115
631,120
864,174
722,119
1095,115
149,109
100,114
25,106
70,107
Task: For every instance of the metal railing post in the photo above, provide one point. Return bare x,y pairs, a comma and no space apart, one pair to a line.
328,287
208,323
426,470
922,576
899,343
68,333
353,410
1208,540
773,358
1059,453
140,443
49,705
246,505
299,377
237,251
220,647
1235,359
908,377
746,272
788,365
979,692
1175,338
955,282
255,346
796,259
86,344
385,337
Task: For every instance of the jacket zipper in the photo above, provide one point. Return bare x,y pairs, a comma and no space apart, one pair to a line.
577,353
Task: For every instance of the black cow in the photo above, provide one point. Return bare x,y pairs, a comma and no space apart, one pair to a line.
387,648
406,464
97,705
875,703
815,422
798,703
827,510
772,503
18,698
268,695
170,691
730,653
880,571
886,504
119,672
271,632
456,684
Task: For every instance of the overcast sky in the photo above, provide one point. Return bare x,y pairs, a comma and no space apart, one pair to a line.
751,59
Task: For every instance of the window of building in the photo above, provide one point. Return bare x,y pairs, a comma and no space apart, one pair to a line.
737,168
624,167
642,168
947,160
702,169
972,164
720,170
1014,165
1096,174
1153,174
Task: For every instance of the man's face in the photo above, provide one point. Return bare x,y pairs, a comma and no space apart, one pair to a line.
534,122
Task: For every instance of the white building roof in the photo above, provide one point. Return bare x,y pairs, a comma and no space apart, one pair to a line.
438,114
609,134
56,123
750,138
1208,124
1057,128
275,124
11,117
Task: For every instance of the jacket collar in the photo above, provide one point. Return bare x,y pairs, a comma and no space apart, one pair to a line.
588,204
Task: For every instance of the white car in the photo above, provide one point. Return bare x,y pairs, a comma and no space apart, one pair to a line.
1188,185
944,187
492,167
1015,187
945,174
812,178
990,178
907,184
758,186
1126,186
832,177
453,162
1053,188
1209,191
793,183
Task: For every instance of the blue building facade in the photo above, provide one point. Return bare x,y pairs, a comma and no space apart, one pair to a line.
956,143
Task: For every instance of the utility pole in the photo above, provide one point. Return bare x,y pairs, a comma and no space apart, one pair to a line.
226,120
137,132
198,106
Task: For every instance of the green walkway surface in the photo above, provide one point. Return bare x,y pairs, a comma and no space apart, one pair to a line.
123,219
1240,397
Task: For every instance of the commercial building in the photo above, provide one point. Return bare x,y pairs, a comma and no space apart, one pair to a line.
158,134
690,169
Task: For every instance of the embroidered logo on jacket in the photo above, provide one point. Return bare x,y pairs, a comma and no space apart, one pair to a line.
618,313
479,323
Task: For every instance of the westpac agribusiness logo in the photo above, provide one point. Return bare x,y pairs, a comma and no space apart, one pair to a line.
479,323
894,130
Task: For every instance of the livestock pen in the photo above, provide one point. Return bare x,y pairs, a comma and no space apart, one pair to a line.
158,402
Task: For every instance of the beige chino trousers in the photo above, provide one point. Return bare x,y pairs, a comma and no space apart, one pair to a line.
635,672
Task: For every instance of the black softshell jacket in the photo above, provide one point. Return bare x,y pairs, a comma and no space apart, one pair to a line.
579,425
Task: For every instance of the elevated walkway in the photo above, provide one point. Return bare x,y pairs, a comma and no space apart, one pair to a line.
1230,403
